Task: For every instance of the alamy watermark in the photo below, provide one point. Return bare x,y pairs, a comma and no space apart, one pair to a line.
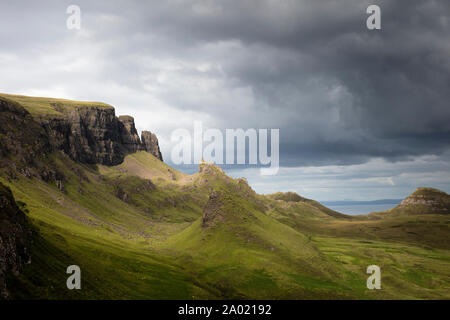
373,22
73,22
74,280
212,146
374,281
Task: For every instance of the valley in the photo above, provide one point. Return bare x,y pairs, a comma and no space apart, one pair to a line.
96,196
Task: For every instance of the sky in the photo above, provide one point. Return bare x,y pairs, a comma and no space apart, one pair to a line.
363,114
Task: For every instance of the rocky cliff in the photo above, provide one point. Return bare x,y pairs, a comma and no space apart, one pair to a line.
129,137
15,239
96,135
150,144
87,132
131,141
30,130
23,144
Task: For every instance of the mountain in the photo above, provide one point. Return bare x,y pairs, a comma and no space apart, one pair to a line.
95,194
294,197
425,201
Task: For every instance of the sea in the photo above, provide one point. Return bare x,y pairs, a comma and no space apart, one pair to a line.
356,209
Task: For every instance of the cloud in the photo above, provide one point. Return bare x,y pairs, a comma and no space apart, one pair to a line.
339,93
375,179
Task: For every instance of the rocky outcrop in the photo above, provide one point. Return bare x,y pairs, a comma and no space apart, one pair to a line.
150,144
95,135
128,135
20,135
131,141
209,169
426,200
214,212
23,144
86,132
15,239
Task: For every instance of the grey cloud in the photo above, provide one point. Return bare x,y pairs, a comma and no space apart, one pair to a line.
339,93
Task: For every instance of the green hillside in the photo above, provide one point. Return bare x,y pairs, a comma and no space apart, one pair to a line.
40,106
151,245
142,230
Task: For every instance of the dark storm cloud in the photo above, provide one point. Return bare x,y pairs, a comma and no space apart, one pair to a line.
339,93
343,93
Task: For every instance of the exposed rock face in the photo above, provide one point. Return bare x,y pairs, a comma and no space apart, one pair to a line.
88,133
209,168
128,134
15,239
95,135
213,212
150,144
122,195
23,144
229,209
131,141
426,200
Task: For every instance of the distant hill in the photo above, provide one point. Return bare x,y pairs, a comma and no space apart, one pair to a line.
424,201
294,197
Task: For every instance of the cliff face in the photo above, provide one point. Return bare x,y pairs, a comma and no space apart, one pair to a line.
96,135
23,144
87,132
150,144
128,134
131,141
15,239
29,131
20,135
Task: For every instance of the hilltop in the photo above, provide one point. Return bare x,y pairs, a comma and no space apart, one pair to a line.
425,201
52,107
97,198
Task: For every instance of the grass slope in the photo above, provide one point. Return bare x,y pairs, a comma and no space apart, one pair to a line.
147,241
142,230
39,106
